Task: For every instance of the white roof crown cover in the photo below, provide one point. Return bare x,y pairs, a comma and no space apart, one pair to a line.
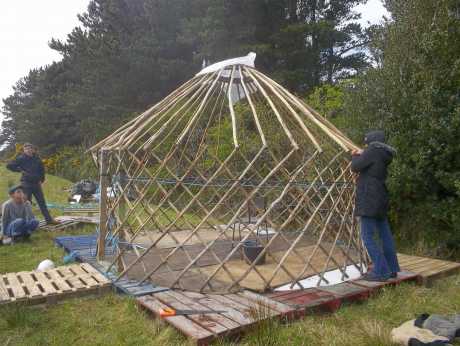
247,60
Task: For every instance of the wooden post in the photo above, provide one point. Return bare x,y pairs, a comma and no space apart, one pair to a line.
122,214
103,185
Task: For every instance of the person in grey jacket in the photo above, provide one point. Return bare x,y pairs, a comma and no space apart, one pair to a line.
18,221
372,204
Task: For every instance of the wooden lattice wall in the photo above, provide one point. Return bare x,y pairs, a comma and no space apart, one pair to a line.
229,160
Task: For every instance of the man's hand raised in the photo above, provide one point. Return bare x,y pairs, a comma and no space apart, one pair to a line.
356,152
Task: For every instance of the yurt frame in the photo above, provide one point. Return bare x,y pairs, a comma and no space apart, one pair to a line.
125,162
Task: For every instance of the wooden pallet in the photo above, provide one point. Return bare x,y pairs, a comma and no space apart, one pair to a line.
52,285
80,218
242,310
428,269
62,225
330,298
84,211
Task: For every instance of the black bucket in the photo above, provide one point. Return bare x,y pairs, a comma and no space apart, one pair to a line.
251,249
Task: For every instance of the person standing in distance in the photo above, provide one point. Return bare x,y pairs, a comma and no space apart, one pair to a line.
372,202
33,176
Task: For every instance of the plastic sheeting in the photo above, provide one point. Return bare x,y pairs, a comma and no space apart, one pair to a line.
333,276
247,60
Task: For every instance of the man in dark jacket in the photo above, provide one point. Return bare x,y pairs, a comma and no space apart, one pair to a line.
33,176
372,205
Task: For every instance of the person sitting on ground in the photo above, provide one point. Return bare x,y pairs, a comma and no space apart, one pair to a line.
18,221
372,205
33,176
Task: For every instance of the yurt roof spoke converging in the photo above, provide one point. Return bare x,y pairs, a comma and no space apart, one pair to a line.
230,182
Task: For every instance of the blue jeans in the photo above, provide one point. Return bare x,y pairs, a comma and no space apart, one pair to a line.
21,228
383,255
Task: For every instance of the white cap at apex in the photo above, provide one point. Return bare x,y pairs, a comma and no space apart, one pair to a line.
247,60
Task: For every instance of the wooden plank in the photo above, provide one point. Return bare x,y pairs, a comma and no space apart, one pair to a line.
272,304
245,313
95,274
45,283
72,279
286,295
4,295
346,290
314,299
422,265
279,294
182,323
307,298
369,284
84,276
428,269
207,322
31,284
228,323
290,295
409,260
428,280
441,265
440,269
15,286
59,281
414,264
427,272
233,311
259,311
61,226
75,282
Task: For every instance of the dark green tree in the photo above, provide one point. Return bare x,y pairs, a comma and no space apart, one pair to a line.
414,95
127,55
302,43
321,42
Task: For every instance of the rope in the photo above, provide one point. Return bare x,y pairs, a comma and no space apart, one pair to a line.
72,206
195,181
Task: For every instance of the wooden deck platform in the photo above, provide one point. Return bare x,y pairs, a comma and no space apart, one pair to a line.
330,298
242,311
428,269
52,285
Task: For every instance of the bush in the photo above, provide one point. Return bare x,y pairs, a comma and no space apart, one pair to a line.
72,163
413,95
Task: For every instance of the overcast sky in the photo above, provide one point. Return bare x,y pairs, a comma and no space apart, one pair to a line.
26,27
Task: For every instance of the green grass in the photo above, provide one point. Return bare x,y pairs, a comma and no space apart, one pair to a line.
116,320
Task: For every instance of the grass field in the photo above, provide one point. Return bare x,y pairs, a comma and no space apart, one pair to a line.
115,320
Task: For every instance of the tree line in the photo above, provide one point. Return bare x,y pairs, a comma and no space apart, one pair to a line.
402,75
127,55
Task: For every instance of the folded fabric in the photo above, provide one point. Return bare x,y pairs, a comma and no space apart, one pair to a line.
443,325
408,334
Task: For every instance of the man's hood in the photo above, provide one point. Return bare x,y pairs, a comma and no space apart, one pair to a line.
376,139
374,136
